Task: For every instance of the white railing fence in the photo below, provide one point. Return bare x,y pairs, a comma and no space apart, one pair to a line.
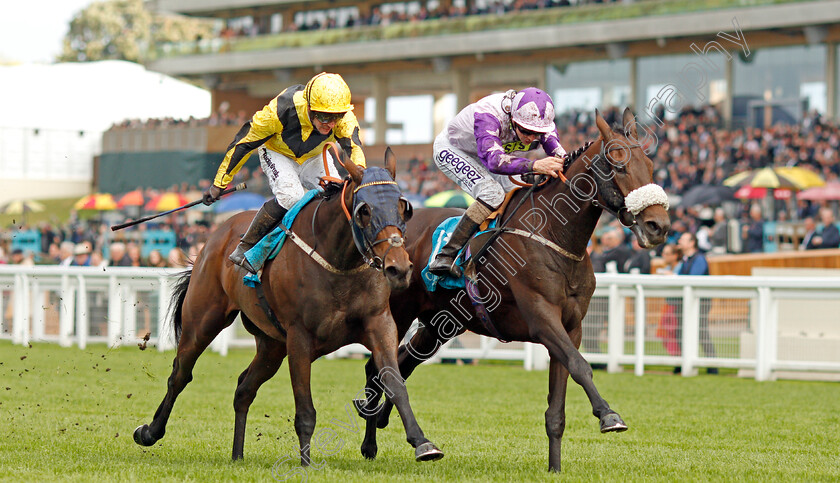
762,326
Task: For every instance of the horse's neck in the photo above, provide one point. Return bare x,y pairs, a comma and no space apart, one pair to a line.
334,235
570,216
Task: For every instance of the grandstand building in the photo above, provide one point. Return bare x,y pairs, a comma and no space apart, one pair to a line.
758,61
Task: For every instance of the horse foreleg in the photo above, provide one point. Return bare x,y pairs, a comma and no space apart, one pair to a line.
551,333
555,415
381,339
421,347
299,348
194,339
270,354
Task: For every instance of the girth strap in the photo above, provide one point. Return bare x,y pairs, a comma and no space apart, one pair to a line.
262,302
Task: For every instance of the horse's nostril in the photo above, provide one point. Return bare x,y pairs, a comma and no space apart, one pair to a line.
391,272
654,228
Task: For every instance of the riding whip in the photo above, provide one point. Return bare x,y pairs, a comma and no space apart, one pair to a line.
239,187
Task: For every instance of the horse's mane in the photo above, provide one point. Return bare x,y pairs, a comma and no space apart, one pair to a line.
331,188
571,157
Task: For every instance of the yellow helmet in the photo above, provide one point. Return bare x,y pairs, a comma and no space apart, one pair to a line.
328,93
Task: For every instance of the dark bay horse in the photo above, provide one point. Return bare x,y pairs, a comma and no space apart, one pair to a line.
320,305
536,280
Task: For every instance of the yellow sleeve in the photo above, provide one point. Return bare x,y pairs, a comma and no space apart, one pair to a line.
346,132
252,135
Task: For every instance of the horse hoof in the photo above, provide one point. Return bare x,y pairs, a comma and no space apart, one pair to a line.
612,422
143,436
369,452
427,452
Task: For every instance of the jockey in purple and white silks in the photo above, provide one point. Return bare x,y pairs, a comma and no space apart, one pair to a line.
477,150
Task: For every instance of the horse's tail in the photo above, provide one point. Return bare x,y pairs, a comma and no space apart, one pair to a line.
176,304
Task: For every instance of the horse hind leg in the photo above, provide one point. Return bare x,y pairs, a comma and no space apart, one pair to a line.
555,415
269,357
195,337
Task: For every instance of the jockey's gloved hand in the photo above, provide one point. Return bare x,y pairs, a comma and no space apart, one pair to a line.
211,194
550,166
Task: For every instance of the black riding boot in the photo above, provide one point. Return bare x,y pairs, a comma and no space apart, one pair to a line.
267,218
444,263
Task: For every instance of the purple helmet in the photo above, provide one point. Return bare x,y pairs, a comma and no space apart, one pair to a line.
533,110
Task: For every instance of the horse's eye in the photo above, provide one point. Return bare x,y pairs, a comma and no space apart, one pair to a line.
406,209
362,215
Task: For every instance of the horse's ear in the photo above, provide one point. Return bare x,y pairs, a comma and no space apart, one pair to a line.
606,132
391,163
356,171
629,122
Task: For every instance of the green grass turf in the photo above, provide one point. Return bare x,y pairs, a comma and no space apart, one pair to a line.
69,414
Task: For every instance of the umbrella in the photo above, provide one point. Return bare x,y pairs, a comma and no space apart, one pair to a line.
449,199
707,194
239,202
805,177
96,201
132,198
773,178
20,207
166,202
749,193
831,191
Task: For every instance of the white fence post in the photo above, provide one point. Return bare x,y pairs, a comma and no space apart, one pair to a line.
766,334
641,322
115,313
615,329
690,331
536,357
82,325
66,307
38,311
166,340
21,319
129,310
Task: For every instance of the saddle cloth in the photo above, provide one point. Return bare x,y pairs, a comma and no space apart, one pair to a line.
439,239
270,245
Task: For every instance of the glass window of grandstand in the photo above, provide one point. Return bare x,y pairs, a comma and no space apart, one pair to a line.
578,89
668,85
779,85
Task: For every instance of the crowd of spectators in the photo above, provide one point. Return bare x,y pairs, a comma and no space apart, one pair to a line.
222,117
693,148
390,13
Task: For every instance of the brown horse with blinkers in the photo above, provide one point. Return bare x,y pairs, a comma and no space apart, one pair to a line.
321,300
536,278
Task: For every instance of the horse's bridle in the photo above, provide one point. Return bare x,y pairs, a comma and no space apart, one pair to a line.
621,212
363,235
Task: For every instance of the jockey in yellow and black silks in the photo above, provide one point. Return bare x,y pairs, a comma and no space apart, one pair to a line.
289,134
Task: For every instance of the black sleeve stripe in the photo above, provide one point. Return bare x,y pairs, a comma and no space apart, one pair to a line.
243,149
243,131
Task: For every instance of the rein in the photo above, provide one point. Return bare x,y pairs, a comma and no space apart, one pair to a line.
362,243
622,213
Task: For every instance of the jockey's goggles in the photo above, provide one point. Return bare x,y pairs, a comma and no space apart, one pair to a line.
327,117
527,132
